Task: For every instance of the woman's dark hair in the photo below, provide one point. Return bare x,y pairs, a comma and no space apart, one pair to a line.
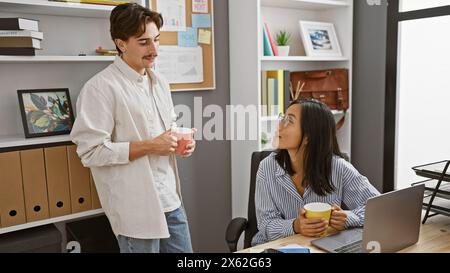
130,20
318,126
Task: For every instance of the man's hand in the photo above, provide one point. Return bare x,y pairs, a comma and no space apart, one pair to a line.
309,227
164,144
338,218
190,148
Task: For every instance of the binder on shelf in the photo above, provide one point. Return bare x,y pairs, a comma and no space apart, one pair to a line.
12,205
280,94
34,184
286,91
94,194
264,109
19,24
80,189
272,96
57,181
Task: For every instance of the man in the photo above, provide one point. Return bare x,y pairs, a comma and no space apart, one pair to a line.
122,130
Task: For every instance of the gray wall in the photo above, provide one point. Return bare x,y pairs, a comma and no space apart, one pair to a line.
368,90
206,176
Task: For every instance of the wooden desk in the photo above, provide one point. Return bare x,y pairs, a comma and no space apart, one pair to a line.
434,238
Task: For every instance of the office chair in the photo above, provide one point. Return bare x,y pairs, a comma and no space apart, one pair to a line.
240,224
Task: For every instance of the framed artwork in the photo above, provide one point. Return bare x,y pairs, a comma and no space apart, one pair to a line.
46,112
319,39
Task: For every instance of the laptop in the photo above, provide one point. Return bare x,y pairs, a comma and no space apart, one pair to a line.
392,222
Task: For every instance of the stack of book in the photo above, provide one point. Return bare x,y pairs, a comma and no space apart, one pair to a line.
97,2
19,36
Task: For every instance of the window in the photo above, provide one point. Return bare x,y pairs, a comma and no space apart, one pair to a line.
417,127
423,95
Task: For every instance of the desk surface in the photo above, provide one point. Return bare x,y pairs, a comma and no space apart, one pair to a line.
434,238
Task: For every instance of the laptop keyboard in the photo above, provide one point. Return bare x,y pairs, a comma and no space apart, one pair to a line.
354,247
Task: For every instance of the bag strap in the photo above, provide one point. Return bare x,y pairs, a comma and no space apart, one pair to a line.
341,121
318,75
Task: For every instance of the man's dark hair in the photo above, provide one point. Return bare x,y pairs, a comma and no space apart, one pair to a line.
130,20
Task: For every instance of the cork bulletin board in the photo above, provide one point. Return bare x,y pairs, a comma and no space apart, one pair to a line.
171,38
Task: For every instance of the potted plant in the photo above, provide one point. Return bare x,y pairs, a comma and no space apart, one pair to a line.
283,39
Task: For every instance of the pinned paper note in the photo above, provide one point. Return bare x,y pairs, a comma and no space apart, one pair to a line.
200,6
174,14
204,36
201,20
187,38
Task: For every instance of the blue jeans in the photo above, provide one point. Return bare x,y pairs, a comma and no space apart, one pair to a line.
178,242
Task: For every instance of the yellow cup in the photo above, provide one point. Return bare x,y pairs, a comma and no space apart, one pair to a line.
318,210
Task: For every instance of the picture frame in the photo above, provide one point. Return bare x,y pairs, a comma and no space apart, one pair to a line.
320,39
46,112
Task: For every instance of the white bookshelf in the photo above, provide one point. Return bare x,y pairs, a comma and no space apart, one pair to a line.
247,62
65,218
56,8
20,140
54,59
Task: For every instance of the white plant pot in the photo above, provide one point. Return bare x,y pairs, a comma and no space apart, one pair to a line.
283,50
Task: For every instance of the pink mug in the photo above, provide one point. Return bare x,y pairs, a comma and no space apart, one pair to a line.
184,136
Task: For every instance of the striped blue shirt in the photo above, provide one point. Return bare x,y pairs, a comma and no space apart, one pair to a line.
277,201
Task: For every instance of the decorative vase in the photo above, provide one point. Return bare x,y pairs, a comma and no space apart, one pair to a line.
283,50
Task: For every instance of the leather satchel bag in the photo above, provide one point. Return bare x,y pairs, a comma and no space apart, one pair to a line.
329,86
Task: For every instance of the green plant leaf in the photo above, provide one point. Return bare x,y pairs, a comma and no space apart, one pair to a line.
283,38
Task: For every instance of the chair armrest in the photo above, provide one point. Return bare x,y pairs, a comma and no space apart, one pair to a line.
234,231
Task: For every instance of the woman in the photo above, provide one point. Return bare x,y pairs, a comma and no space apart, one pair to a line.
307,167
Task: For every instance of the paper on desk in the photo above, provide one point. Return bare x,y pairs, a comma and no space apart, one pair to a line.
256,250
174,14
180,64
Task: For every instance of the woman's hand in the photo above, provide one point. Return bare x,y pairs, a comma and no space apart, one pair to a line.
309,227
338,218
